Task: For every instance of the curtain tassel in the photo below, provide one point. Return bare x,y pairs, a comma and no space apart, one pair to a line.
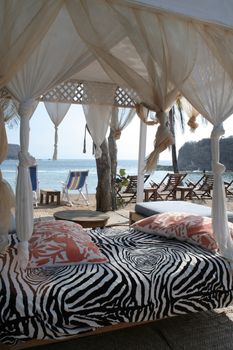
85,139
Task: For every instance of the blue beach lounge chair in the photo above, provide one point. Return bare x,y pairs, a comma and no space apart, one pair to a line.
76,181
35,183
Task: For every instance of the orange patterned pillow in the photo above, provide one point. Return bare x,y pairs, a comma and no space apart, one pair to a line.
58,243
182,226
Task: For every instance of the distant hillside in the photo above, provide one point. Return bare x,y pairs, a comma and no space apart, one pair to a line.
197,155
13,151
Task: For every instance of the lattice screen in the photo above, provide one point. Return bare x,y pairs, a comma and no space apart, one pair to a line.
4,93
74,92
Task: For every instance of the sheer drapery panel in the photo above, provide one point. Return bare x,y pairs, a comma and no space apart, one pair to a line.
220,45
57,112
147,59
24,200
98,113
210,90
121,118
23,24
33,79
7,201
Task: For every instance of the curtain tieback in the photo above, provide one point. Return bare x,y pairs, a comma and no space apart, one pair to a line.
25,107
26,160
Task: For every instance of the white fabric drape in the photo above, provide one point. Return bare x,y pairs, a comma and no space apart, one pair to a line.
210,90
220,45
56,112
32,80
121,118
158,42
7,201
24,198
22,26
156,54
98,114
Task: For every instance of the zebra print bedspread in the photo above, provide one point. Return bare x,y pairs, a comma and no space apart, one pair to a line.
147,278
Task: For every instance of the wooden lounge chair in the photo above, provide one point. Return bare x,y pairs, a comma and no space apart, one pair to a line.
166,189
202,189
130,191
228,188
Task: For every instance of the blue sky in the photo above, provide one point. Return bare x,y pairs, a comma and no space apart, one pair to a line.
71,134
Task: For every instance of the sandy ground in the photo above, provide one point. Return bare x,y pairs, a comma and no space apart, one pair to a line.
118,217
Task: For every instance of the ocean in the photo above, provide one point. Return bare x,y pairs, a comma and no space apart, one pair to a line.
52,173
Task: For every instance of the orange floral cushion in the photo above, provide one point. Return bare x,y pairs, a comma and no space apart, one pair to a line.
58,243
182,226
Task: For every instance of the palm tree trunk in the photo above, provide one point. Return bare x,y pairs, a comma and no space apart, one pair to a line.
112,146
103,190
172,128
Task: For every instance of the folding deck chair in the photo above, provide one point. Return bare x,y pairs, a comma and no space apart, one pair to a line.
35,183
228,188
166,189
202,189
130,192
76,181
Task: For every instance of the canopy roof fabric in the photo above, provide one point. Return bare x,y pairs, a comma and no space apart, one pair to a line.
155,48
209,11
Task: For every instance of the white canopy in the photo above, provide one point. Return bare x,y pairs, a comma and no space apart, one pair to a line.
158,48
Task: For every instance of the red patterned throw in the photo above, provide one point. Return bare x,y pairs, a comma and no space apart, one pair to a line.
182,226
58,243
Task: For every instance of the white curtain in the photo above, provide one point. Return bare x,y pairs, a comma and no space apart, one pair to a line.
147,59
210,90
33,79
98,113
153,53
121,118
56,112
167,55
220,45
7,201
24,199
22,26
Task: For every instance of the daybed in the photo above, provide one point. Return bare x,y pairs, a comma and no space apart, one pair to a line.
145,209
146,277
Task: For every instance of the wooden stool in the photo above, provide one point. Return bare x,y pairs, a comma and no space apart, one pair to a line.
50,196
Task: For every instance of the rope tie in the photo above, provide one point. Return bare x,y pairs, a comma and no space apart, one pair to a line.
26,159
26,107
193,123
140,110
117,134
163,139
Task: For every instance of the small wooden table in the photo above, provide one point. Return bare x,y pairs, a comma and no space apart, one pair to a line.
50,196
151,194
183,190
86,218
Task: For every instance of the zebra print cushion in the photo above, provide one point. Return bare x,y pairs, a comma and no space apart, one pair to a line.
147,278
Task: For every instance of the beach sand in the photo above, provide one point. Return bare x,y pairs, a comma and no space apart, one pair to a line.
118,217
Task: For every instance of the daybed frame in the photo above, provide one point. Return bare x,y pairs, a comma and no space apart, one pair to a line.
146,278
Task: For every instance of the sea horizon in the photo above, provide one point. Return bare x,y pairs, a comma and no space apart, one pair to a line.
52,173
